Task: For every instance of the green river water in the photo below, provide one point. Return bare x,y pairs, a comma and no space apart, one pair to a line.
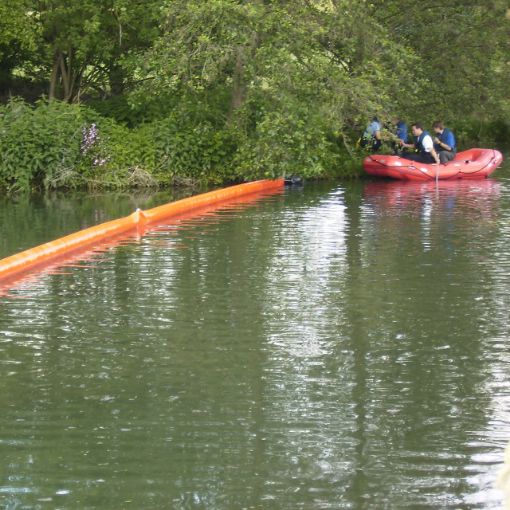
339,346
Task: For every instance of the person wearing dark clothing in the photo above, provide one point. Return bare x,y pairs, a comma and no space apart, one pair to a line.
401,130
423,144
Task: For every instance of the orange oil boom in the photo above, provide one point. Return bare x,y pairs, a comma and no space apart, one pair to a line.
15,266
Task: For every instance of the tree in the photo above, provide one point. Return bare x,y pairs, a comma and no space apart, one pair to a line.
463,49
18,37
85,42
276,52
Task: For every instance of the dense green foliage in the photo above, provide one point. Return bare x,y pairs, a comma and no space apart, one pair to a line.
184,91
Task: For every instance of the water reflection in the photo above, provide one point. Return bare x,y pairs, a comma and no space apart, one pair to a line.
447,269
29,220
75,258
334,347
474,202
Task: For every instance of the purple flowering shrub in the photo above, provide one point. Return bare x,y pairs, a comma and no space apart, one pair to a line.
91,148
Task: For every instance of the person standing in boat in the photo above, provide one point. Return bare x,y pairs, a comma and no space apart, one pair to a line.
400,131
444,142
371,137
423,144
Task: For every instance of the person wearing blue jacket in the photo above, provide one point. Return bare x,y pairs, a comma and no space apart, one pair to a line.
399,129
444,142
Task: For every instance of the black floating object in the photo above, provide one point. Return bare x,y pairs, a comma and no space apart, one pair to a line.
294,180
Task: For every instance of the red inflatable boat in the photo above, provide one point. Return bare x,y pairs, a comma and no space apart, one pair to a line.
470,164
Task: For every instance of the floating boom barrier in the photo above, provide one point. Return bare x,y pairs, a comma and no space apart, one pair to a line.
16,266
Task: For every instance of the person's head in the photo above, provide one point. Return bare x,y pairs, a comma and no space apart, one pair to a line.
375,118
417,129
438,126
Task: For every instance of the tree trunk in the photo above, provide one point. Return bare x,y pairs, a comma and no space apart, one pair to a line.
54,77
71,78
238,85
64,73
116,77
239,82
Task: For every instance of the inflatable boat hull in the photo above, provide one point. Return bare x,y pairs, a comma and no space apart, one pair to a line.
470,164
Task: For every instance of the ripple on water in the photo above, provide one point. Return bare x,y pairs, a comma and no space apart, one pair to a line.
330,348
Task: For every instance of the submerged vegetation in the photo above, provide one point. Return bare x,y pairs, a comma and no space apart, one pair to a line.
127,93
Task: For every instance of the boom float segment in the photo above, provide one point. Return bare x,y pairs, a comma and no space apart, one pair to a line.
14,266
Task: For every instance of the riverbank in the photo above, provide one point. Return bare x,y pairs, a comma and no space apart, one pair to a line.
56,145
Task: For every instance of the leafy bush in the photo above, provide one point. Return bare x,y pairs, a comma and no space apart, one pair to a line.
475,132
120,155
286,144
192,151
38,143
59,145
